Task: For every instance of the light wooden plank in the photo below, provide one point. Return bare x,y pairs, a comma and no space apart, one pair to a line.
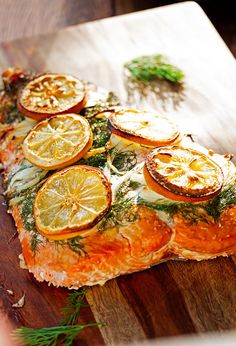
96,51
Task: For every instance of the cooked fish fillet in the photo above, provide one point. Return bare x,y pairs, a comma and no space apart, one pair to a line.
129,245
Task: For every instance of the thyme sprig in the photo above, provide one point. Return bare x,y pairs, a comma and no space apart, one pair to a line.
151,67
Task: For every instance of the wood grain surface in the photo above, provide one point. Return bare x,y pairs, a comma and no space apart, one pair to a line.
172,298
32,17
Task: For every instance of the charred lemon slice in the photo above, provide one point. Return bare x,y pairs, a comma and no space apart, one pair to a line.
51,94
58,141
182,174
70,201
143,127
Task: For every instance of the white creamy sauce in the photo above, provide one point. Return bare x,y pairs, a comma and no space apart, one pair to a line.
136,174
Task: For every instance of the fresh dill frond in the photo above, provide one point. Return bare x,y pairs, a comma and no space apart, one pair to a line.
65,335
27,214
101,133
9,109
34,242
151,67
75,301
111,101
125,187
76,245
194,213
125,160
27,211
14,115
217,205
122,213
98,160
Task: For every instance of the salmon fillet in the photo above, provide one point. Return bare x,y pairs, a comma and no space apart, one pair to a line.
143,235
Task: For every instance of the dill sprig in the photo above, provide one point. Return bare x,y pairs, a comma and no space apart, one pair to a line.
191,212
98,160
122,213
196,212
124,160
125,187
27,211
8,109
14,115
217,205
65,333
111,101
75,244
101,133
50,336
35,241
151,67
75,301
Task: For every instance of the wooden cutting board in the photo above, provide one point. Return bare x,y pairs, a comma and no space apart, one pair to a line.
172,298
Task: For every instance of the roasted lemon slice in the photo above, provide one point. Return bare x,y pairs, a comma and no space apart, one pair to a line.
182,174
143,127
58,141
70,201
51,94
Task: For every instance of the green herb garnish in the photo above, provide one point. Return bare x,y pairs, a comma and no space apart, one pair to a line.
111,101
101,133
217,205
35,241
27,213
191,212
151,67
196,212
125,187
50,336
64,334
125,160
121,213
76,245
98,160
8,109
14,115
72,309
